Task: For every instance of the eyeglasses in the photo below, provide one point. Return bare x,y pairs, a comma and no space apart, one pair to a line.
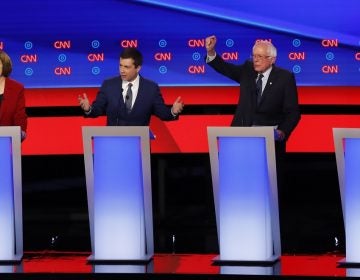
259,56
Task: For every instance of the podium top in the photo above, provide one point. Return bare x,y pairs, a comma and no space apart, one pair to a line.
142,131
13,131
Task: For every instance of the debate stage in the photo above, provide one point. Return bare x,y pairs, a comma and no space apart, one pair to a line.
74,265
56,226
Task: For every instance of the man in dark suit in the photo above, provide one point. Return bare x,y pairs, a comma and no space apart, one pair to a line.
268,94
276,103
273,102
130,99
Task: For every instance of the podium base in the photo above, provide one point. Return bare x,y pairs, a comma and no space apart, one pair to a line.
267,262
15,259
145,260
344,263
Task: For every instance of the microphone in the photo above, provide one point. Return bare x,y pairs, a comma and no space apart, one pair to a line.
126,96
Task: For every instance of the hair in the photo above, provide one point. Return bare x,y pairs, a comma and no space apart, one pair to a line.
133,53
271,50
7,64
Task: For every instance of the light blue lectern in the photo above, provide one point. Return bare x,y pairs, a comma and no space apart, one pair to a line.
347,152
11,226
118,180
244,180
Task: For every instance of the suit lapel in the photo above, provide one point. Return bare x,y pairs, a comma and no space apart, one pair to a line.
269,83
139,95
117,97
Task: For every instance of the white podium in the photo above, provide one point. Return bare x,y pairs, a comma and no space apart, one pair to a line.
11,223
347,152
244,180
118,181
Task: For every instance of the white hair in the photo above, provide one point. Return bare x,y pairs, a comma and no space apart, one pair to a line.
271,50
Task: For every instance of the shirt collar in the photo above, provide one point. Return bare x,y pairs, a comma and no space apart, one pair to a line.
267,73
135,82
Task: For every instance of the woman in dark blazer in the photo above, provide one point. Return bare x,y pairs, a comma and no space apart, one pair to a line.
12,98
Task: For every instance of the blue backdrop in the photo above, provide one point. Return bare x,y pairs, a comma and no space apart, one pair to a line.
77,43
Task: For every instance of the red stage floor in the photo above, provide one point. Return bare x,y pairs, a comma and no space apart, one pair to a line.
57,265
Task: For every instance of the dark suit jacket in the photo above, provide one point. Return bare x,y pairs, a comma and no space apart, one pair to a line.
12,106
149,101
279,103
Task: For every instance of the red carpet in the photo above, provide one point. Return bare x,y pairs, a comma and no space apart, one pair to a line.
74,265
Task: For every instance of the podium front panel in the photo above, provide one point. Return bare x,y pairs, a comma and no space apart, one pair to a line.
352,196
244,184
119,198
11,239
347,150
7,234
118,179
245,193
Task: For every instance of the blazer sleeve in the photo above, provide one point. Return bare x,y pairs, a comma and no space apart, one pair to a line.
13,111
20,117
230,70
160,109
99,105
290,107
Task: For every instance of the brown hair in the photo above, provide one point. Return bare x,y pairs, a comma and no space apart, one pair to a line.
6,62
133,53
